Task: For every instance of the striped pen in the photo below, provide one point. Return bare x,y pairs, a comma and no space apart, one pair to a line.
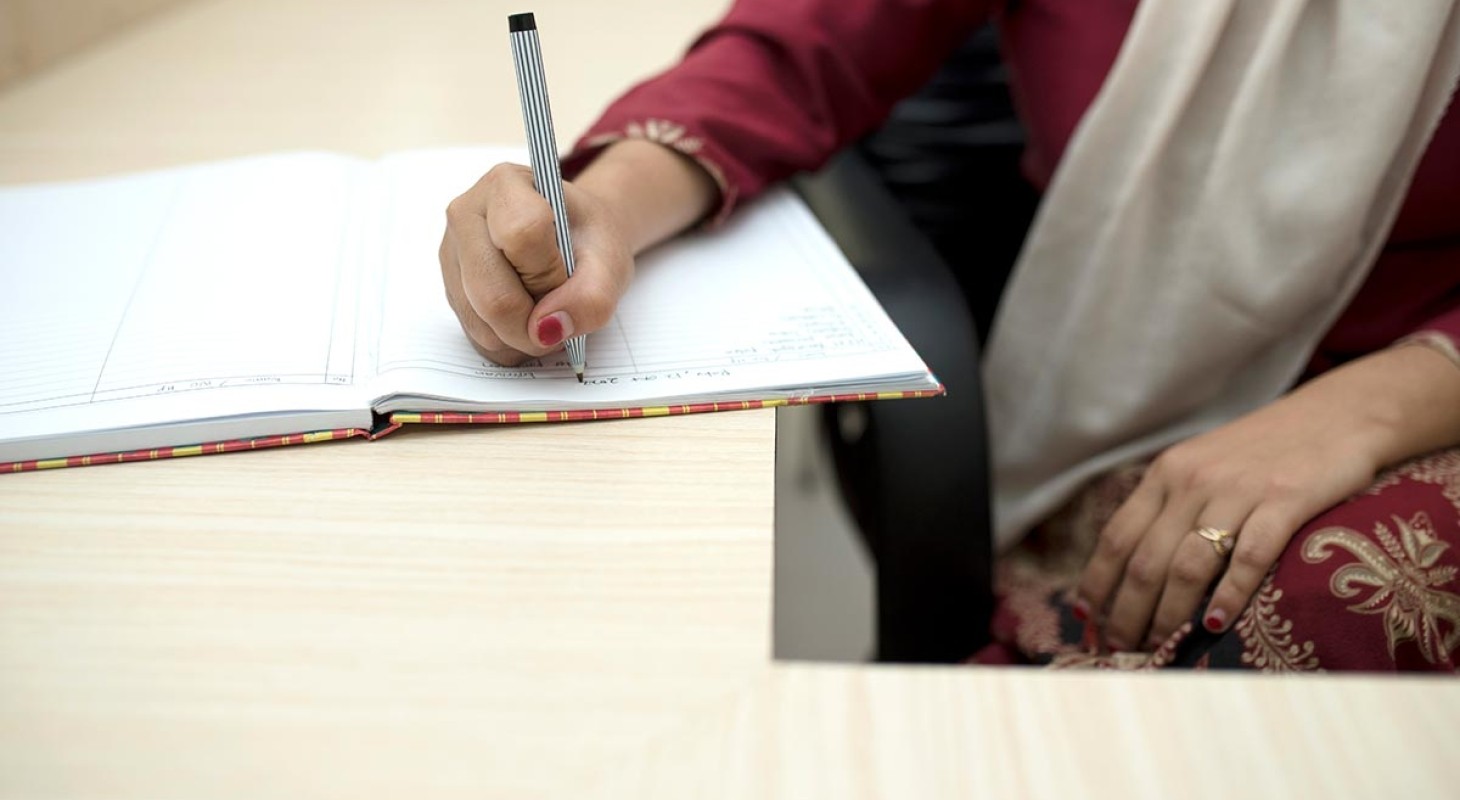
542,147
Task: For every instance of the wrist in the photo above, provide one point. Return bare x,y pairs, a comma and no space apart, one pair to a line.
650,191
1394,404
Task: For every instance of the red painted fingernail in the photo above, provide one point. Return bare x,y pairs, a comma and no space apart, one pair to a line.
1081,610
1216,620
551,329
1116,645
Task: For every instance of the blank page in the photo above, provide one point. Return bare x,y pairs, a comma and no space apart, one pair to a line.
197,293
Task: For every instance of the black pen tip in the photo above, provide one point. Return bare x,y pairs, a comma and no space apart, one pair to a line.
580,378
516,23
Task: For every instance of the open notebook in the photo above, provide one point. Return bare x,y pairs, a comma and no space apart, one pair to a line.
297,297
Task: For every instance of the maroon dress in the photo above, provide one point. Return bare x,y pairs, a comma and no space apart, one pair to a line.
778,86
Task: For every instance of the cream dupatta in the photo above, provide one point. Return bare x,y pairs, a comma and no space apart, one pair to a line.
1219,205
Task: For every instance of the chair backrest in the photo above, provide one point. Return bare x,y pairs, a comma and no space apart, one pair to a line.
932,210
950,155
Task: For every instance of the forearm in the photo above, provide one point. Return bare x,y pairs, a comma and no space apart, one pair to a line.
1395,404
652,191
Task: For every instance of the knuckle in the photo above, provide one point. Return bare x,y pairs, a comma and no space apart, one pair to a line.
1190,571
1173,466
524,232
1143,572
1279,488
459,209
498,306
1203,477
1251,560
1111,543
500,172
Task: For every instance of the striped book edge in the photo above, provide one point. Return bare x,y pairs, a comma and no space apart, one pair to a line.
401,418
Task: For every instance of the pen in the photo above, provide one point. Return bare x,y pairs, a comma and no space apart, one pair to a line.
542,147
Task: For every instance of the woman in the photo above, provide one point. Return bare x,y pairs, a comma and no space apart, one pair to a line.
1245,273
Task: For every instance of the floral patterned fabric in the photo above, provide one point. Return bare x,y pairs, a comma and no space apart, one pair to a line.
1371,584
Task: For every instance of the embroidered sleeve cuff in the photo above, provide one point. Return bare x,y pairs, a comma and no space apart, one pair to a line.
1444,343
1441,333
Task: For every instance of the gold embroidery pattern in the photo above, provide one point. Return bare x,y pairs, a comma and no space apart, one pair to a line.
1404,578
1027,597
1267,638
666,133
1441,469
1133,662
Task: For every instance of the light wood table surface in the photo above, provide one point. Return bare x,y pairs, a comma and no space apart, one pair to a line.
427,616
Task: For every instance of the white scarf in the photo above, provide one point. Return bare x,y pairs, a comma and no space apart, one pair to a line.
1219,205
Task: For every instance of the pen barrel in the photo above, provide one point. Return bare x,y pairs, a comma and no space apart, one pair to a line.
542,148
537,120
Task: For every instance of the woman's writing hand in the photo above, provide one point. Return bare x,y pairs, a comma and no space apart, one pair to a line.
504,274
500,261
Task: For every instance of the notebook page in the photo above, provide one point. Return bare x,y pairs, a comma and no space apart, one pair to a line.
204,292
766,305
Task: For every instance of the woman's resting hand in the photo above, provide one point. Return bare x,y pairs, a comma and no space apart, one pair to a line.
1261,477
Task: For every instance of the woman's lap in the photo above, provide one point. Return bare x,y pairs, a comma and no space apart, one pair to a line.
1371,584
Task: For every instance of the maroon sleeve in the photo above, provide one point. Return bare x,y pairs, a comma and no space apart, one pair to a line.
778,86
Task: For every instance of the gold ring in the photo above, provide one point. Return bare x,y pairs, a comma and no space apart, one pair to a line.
1222,539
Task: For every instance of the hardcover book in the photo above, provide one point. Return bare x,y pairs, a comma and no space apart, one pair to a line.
297,297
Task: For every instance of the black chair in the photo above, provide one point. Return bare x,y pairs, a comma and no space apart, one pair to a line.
939,184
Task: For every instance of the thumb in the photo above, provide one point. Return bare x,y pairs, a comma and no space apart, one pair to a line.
583,303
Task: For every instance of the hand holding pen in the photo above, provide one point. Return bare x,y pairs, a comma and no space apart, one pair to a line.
537,119
502,266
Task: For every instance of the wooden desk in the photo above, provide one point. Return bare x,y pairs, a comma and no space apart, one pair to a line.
425,616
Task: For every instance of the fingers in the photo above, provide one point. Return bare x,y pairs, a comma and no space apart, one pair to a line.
1259,545
1145,577
478,332
1118,539
490,284
504,271
1194,566
586,302
520,225
1149,573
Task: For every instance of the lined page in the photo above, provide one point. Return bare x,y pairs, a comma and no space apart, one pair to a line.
766,305
202,292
